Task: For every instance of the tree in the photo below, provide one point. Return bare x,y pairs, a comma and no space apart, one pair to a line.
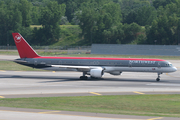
25,8
96,19
72,6
130,32
129,7
10,21
142,16
163,3
164,29
161,32
35,15
145,15
49,19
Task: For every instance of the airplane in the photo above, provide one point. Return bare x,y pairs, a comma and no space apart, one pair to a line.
95,67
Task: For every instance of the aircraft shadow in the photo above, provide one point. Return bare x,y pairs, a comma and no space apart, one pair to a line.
67,79
113,80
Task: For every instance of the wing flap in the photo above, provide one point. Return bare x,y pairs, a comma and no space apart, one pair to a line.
67,66
79,68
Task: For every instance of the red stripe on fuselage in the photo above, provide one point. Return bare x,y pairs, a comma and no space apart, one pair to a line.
92,58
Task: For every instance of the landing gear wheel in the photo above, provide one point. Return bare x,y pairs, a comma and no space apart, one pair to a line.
158,79
83,78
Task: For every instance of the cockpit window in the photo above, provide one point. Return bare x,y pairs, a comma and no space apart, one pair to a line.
169,65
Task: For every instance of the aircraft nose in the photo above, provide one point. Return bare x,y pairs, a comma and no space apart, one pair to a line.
174,69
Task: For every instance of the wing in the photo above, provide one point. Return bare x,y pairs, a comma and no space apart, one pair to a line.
78,68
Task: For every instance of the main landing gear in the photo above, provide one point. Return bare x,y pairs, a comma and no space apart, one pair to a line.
158,78
84,77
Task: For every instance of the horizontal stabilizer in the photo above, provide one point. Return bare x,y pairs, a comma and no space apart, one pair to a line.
20,61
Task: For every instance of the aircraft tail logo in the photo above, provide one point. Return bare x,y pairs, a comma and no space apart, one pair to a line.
24,49
17,38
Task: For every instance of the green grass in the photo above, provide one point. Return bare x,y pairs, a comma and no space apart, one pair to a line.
65,53
69,35
9,52
37,26
52,53
145,105
8,65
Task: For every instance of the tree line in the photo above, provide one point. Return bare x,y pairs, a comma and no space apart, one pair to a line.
101,21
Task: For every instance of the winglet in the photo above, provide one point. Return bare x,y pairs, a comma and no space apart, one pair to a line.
24,49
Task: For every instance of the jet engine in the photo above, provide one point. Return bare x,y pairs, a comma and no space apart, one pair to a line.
96,73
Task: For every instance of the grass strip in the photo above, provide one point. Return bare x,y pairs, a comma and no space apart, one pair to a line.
65,53
8,52
145,105
12,66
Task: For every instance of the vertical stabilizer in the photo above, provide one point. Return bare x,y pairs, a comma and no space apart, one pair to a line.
24,49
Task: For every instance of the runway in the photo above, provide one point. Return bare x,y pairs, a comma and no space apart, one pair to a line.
43,83
15,84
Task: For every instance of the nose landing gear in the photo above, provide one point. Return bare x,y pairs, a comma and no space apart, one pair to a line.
158,78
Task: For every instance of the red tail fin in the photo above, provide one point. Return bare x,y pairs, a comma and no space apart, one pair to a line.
24,49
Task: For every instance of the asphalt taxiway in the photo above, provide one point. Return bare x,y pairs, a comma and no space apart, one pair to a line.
15,84
36,114
19,83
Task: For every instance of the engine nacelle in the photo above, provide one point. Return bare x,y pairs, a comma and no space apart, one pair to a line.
97,73
115,73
